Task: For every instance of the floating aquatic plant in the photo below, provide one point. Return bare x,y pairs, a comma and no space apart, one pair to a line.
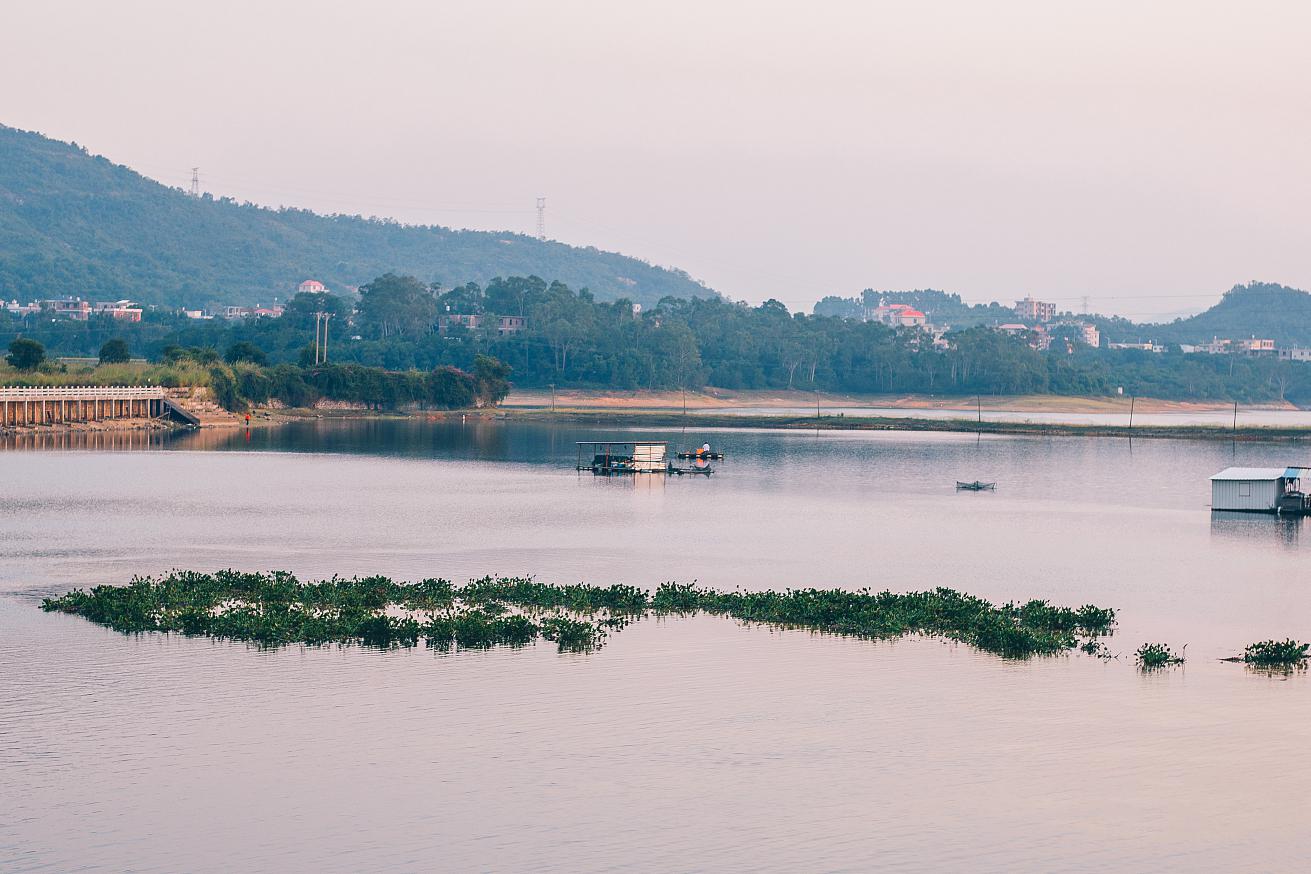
276,609
1277,653
1157,655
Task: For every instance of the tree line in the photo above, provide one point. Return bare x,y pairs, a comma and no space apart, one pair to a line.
568,338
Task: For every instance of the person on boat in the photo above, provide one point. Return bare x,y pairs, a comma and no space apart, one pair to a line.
704,450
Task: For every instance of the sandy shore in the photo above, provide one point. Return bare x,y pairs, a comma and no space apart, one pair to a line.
723,399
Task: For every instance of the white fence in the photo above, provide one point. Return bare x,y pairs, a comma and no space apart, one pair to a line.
82,393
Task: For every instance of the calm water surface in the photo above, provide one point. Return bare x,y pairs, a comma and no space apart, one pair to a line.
687,744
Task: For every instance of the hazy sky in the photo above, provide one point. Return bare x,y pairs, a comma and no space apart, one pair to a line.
1145,154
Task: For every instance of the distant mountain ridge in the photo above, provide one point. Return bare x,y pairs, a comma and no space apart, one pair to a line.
1259,309
72,223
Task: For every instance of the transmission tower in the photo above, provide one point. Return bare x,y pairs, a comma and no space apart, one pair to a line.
541,218
195,182
1085,304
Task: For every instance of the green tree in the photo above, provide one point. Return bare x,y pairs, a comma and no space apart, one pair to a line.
396,306
493,379
244,350
115,351
301,309
25,354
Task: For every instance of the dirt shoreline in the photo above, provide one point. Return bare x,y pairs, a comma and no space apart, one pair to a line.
723,399
708,421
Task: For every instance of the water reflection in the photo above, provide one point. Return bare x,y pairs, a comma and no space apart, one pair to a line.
95,440
759,748
1283,531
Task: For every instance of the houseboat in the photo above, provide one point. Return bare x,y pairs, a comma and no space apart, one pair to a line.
1261,490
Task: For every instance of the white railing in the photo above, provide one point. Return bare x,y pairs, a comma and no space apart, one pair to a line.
81,393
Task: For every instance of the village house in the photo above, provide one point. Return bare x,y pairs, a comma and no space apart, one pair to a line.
511,325
470,321
122,310
896,315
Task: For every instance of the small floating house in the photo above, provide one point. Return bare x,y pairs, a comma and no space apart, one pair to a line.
642,456
1260,490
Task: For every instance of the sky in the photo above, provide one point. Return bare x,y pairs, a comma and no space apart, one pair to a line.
1146,156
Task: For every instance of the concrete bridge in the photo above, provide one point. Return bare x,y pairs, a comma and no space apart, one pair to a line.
57,405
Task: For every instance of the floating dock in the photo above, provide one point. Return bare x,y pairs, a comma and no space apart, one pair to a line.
611,457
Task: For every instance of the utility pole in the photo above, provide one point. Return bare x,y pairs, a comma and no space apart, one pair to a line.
552,397
195,182
541,218
321,329
1132,400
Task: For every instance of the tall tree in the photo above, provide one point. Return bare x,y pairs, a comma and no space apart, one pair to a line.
396,306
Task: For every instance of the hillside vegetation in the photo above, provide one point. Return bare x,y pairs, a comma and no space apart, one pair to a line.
1258,309
76,224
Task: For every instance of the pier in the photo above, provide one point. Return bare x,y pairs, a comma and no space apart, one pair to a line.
66,404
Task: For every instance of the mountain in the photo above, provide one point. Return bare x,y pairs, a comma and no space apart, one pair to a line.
1258,309
73,223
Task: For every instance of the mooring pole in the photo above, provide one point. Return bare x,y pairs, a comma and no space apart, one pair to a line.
978,400
1131,403
1235,418
552,397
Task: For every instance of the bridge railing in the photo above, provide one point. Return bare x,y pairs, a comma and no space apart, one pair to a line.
81,393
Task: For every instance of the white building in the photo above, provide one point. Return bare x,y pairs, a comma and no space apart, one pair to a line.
1255,489
312,286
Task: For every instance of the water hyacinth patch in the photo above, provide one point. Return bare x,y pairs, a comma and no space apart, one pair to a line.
1157,655
1277,653
275,609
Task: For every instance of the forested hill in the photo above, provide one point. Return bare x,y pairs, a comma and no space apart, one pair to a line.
72,223
1258,309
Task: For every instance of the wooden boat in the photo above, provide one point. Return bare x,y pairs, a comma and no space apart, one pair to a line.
709,456
976,486
701,471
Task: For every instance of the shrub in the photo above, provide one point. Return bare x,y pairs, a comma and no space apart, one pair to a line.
246,351
253,383
223,382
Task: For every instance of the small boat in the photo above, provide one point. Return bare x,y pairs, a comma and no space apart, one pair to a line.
698,453
976,486
699,471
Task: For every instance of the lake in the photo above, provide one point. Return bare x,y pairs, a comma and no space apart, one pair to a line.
683,744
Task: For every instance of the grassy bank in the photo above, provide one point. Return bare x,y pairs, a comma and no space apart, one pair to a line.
175,375
276,609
